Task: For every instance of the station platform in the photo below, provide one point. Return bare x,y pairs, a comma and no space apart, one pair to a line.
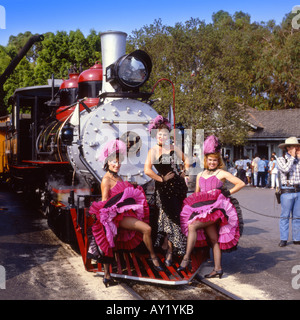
259,269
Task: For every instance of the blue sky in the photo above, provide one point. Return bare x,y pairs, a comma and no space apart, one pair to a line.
40,16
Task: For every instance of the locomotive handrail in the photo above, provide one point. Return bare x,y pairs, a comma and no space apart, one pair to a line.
125,122
50,153
133,95
173,87
85,106
73,104
85,163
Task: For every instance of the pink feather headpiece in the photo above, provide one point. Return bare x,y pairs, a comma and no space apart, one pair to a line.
114,146
157,121
211,145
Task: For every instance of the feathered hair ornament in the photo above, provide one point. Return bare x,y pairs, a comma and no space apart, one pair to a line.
211,145
157,121
114,146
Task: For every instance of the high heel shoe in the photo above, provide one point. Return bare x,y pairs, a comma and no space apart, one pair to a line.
214,274
109,282
188,266
168,262
156,268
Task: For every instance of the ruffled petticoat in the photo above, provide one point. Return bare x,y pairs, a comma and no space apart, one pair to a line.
213,206
125,201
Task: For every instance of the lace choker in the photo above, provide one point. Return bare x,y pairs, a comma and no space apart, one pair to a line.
115,174
211,171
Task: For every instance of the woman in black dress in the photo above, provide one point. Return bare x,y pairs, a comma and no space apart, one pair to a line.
170,188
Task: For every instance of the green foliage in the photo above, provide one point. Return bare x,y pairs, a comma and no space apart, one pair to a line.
216,68
221,67
55,55
61,51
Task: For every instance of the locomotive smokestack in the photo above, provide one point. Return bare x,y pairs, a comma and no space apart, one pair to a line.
113,46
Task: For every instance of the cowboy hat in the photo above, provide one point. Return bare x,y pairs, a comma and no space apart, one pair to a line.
291,141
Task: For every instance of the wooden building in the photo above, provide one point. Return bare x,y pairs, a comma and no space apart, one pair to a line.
267,129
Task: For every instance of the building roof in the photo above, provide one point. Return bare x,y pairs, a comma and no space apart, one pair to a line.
273,124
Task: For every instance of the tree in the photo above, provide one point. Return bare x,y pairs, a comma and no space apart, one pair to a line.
211,67
62,50
278,70
18,42
216,68
22,75
55,55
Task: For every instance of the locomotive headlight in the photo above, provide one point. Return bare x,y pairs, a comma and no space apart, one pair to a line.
130,71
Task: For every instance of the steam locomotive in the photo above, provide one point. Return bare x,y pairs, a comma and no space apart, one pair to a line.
52,154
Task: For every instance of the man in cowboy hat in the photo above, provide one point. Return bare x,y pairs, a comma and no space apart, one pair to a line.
289,168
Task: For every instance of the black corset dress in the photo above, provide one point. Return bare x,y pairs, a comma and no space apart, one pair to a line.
169,199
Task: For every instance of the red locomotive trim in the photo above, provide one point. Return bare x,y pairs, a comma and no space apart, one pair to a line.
135,265
58,204
72,82
23,167
45,162
69,190
94,73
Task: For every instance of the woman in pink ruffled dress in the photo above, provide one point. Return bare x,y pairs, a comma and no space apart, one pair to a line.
121,216
210,215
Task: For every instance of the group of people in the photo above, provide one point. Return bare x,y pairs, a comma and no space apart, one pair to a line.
259,171
265,172
207,217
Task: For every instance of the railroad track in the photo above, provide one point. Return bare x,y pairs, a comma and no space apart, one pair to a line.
196,290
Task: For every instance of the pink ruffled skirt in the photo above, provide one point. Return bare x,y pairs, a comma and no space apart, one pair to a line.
125,201
212,206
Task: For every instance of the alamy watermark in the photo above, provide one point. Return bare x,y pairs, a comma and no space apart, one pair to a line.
296,18
2,278
296,278
2,18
